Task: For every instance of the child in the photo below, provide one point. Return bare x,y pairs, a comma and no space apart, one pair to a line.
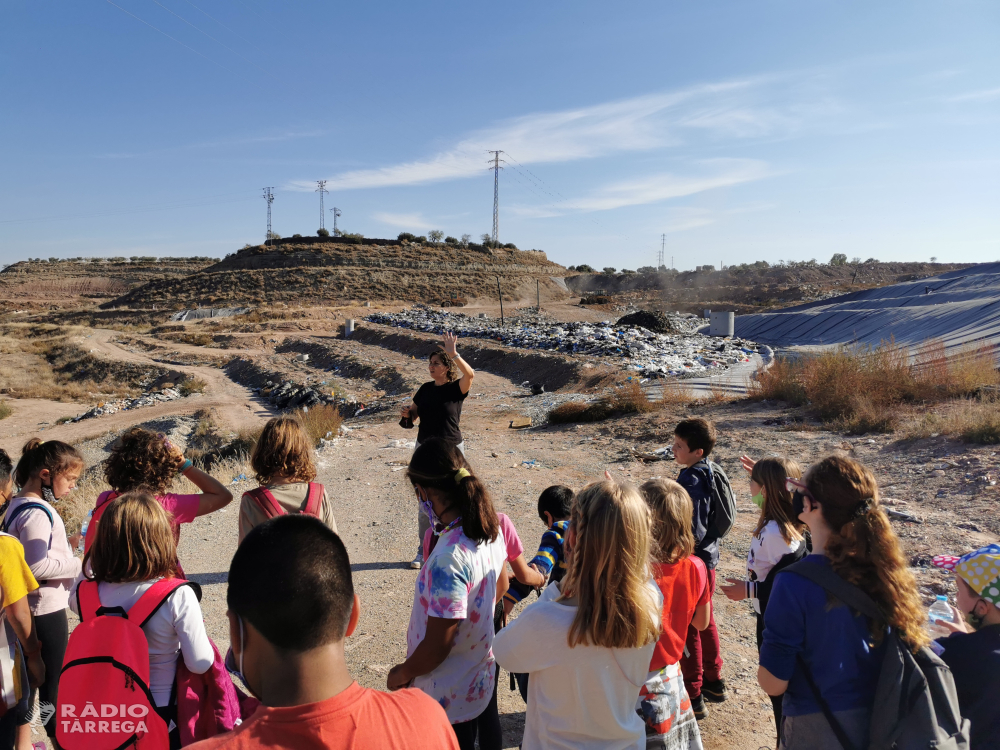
449,642
694,440
16,582
133,550
671,719
553,509
46,473
777,542
803,630
292,607
282,461
587,643
974,657
143,459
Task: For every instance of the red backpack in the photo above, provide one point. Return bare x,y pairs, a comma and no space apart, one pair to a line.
104,697
102,505
272,508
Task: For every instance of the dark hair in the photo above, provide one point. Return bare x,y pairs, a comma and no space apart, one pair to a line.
54,455
697,433
557,500
283,450
6,466
448,362
291,579
434,465
141,458
134,542
863,549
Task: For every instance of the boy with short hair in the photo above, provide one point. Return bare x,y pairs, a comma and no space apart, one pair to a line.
291,606
694,440
554,505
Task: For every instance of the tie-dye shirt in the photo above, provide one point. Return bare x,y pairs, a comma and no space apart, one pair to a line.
458,581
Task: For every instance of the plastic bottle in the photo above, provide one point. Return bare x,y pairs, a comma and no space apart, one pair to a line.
939,611
83,531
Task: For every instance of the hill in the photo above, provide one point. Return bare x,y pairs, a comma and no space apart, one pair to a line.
960,307
318,270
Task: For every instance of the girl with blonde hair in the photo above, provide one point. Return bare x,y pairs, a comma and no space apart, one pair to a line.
588,641
810,635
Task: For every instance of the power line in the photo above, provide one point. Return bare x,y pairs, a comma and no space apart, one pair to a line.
321,189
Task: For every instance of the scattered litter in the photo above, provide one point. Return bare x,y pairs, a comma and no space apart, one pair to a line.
902,516
519,423
240,478
127,404
660,454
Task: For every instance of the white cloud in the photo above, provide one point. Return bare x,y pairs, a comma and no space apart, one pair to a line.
984,95
402,221
733,109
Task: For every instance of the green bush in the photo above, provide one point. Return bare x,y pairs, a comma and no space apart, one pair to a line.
322,232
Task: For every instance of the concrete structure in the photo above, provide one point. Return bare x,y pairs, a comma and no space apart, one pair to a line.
721,324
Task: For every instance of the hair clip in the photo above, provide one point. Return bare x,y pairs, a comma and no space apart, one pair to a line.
863,507
461,474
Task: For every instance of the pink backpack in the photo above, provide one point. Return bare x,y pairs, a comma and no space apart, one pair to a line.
103,500
272,508
104,697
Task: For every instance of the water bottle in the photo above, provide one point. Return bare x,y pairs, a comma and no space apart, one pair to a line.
83,531
939,611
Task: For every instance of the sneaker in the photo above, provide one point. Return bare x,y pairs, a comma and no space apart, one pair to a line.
698,706
417,561
714,692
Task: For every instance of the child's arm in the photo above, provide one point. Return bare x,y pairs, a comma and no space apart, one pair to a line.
429,654
36,531
214,494
503,583
189,624
526,574
702,616
738,590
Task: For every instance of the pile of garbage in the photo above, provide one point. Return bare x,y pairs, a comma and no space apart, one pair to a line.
288,394
648,353
658,322
127,404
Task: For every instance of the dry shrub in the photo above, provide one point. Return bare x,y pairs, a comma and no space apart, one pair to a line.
628,398
321,421
5,410
196,339
782,381
675,393
192,385
574,411
973,420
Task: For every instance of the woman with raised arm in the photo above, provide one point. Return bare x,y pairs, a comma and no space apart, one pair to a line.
437,405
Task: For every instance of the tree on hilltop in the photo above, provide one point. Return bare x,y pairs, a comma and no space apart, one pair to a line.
838,259
610,270
435,235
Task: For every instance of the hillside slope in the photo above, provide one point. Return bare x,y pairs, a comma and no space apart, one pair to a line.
317,271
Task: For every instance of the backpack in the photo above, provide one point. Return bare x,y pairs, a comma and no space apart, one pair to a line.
104,697
272,508
915,698
723,516
102,505
12,514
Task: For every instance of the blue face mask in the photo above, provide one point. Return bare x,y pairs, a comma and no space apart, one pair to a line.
230,662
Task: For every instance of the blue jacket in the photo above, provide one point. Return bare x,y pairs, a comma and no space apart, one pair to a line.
697,480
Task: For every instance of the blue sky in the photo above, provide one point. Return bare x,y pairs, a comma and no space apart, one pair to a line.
742,130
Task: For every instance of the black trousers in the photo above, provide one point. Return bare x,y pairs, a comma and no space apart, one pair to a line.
775,699
486,726
53,632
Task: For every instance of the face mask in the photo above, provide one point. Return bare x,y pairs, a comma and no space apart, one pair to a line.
230,662
47,494
758,500
428,508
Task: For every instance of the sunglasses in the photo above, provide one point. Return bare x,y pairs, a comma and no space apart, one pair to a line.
798,487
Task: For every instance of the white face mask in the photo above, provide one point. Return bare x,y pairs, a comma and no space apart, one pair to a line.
231,665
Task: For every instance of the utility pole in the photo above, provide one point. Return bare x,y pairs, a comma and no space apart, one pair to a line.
500,294
321,189
663,247
269,197
336,212
496,197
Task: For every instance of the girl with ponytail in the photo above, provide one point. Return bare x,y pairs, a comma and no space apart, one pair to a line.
808,634
449,642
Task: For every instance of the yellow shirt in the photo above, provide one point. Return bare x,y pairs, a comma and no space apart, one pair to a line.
16,582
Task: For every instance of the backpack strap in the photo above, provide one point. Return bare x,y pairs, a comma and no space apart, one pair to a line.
848,593
14,513
835,725
153,599
88,601
267,502
103,500
314,500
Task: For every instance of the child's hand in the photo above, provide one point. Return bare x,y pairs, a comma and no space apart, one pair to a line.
397,679
607,475
959,626
74,541
736,590
747,463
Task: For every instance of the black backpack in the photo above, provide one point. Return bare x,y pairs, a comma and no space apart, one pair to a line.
723,516
916,704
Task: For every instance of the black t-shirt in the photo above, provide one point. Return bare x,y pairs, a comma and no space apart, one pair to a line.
974,659
439,408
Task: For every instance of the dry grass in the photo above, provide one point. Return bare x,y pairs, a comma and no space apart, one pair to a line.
321,421
860,390
192,385
974,420
627,398
5,410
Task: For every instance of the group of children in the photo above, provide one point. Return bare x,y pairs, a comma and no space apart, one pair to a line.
620,649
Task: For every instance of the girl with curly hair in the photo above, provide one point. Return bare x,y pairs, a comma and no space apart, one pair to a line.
806,630
144,459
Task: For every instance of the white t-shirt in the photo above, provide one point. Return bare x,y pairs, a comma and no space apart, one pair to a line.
458,581
766,550
581,698
177,626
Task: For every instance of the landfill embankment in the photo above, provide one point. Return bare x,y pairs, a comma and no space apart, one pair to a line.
640,352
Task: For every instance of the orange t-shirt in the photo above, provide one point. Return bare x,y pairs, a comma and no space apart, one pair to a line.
356,719
684,586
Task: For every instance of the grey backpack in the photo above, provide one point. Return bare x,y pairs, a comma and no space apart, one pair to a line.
916,704
723,516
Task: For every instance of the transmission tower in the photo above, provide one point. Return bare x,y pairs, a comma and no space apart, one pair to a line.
663,247
496,196
269,197
321,189
336,212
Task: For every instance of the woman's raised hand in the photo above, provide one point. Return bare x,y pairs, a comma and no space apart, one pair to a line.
747,463
450,344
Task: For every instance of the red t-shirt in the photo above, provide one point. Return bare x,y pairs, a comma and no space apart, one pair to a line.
684,585
356,719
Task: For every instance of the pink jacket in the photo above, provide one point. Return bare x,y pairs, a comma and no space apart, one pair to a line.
209,704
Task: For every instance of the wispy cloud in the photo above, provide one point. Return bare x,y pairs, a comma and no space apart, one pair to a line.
250,140
984,95
739,109
403,221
